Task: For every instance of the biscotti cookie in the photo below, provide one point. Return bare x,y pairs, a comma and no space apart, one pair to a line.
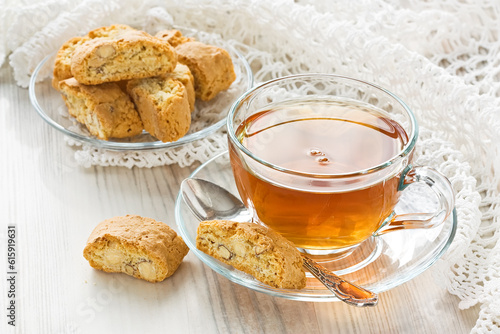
133,54
106,110
253,249
137,246
163,104
211,66
173,37
62,63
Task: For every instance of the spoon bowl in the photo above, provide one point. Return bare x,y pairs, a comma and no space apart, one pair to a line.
209,201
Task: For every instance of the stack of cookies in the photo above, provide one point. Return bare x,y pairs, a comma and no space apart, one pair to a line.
119,81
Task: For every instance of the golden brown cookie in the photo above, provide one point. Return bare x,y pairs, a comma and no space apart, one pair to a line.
133,54
163,104
62,63
211,66
173,37
137,246
106,110
253,249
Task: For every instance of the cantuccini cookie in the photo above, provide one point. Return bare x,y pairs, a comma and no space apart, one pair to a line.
163,104
105,109
173,37
137,246
211,66
254,249
133,54
62,63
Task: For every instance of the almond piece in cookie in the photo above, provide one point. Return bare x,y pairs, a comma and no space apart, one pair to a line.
106,110
133,54
163,104
137,246
255,250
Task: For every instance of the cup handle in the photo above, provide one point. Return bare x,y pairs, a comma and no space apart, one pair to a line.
441,187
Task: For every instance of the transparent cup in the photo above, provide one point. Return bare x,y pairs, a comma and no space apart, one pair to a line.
324,210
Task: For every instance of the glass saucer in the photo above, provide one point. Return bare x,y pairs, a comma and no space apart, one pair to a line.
207,117
379,264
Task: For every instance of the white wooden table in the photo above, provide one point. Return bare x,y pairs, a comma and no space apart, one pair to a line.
55,204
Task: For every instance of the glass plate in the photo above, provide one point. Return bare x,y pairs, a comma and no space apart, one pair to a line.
379,264
206,118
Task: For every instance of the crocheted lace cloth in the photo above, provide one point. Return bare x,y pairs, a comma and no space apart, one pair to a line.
440,56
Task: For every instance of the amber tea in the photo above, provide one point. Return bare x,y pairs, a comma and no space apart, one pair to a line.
319,138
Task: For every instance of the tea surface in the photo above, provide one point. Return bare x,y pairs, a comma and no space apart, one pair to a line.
327,137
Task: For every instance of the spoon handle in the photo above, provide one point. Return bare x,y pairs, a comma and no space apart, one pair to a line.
345,291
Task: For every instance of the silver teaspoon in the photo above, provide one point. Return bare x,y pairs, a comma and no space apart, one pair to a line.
208,201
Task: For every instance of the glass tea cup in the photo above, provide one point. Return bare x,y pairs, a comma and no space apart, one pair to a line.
323,160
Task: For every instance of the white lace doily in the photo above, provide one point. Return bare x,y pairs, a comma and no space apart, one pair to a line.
440,56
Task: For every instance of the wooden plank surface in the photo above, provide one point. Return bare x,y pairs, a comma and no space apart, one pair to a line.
55,204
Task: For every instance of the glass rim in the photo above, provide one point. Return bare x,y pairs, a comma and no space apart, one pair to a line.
405,151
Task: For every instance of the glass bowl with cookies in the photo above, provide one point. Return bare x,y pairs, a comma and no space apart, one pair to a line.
121,88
